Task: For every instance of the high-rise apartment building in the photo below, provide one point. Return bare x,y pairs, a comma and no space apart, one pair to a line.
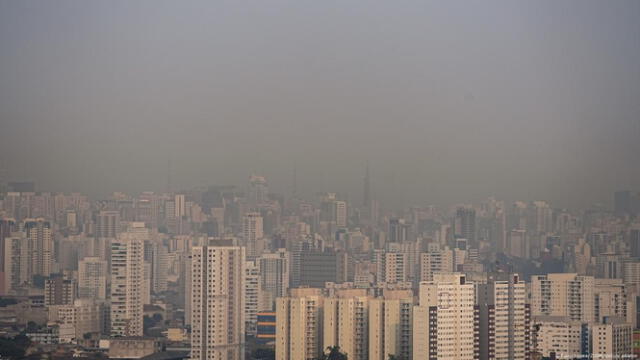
634,240
83,316
398,231
540,217
612,299
518,245
563,295
390,325
17,262
611,339
504,322
299,325
179,206
464,224
346,324
559,336
445,323
93,273
7,226
252,232
127,273
275,273
341,213
41,246
392,267
59,291
107,224
252,296
217,301
159,267
435,260
319,267
631,273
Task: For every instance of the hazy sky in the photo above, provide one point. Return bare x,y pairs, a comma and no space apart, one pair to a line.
449,101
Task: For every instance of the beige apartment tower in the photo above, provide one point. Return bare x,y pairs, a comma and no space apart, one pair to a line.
217,301
127,259
445,324
299,320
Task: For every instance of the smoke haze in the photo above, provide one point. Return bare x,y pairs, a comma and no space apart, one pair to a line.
448,101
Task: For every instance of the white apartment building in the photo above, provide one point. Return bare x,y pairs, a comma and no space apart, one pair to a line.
275,273
17,262
252,293
559,335
390,325
41,247
563,295
253,234
217,301
392,267
613,339
299,325
92,278
445,323
435,260
127,274
83,316
345,324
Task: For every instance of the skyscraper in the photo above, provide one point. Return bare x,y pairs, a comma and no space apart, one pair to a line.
217,301
127,261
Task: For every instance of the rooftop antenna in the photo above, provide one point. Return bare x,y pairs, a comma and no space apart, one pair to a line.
366,199
169,175
295,180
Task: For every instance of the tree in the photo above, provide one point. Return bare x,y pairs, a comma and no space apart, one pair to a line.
334,353
14,348
32,327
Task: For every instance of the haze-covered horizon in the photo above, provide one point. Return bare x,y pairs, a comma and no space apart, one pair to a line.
449,102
